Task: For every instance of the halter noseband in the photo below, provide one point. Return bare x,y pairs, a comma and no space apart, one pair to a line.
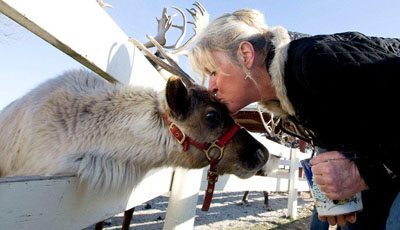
186,141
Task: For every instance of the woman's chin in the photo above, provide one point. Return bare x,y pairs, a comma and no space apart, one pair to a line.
232,108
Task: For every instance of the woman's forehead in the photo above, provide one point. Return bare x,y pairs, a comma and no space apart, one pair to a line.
208,62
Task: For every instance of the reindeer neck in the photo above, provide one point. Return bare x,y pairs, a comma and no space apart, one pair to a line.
150,128
127,123
131,133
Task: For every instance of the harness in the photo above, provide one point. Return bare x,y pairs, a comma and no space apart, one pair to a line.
219,144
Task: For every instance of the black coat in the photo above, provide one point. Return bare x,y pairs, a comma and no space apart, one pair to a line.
344,88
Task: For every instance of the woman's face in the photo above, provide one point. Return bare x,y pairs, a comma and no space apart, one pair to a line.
229,84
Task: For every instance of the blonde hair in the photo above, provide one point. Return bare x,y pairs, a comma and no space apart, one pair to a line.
225,34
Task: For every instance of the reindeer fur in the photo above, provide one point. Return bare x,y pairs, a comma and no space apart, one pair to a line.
109,135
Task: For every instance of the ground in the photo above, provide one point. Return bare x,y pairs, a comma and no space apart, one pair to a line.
226,212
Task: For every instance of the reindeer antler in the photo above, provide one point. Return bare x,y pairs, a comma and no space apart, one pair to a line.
103,4
164,24
201,19
173,67
182,28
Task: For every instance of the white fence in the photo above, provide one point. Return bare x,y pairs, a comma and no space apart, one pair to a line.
57,202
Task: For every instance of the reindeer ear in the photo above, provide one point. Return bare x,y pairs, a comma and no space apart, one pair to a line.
177,97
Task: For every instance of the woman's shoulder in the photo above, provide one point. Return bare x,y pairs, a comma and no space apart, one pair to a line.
324,44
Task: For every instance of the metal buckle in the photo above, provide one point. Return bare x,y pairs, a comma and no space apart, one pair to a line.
214,145
183,134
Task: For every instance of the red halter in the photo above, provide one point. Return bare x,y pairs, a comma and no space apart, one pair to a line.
185,141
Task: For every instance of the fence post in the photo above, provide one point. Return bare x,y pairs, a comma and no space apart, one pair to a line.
183,199
293,178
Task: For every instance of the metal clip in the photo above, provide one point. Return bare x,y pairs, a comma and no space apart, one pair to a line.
214,145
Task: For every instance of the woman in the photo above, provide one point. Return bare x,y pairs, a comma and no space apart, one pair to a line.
341,89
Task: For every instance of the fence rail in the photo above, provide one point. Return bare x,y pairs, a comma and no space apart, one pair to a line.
60,202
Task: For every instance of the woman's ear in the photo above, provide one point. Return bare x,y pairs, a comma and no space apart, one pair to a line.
246,54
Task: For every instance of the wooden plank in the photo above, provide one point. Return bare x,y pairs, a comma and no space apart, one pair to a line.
293,181
58,202
275,182
182,203
84,31
278,181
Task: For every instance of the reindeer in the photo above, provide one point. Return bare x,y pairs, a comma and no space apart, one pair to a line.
111,135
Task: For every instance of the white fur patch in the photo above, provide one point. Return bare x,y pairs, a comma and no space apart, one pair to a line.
103,171
109,135
281,41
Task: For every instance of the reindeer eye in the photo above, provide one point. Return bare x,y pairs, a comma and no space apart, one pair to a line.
213,118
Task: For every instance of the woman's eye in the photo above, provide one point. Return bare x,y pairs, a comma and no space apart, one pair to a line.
212,74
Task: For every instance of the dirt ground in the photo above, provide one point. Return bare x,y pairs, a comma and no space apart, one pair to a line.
226,212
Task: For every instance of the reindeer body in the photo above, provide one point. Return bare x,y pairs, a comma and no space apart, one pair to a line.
109,135
80,123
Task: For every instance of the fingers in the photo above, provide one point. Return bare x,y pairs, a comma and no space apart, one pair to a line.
351,217
340,219
331,220
320,168
322,179
324,157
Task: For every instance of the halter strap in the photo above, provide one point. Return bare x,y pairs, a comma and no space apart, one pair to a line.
212,178
224,139
186,141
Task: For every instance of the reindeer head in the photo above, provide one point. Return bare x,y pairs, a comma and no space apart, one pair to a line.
204,119
199,115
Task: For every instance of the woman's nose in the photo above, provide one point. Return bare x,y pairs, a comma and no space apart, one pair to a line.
212,86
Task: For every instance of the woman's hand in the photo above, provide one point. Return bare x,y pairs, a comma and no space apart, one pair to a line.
340,220
336,176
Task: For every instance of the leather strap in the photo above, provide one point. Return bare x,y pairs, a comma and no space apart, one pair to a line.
224,139
212,178
184,140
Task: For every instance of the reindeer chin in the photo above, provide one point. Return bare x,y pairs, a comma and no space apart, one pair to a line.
246,175
194,160
236,170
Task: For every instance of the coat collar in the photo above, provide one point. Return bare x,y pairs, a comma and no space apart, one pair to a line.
281,107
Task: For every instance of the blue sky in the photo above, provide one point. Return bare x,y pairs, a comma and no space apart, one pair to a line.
26,60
